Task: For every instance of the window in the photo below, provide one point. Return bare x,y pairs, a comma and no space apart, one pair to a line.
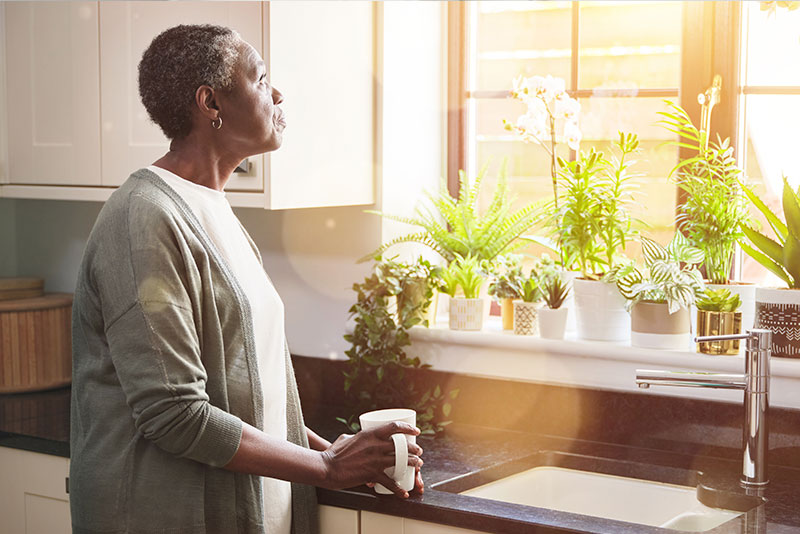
769,99
619,59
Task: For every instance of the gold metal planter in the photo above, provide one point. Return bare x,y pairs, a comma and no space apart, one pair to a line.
710,323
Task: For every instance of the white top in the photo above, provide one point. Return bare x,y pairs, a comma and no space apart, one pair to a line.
218,220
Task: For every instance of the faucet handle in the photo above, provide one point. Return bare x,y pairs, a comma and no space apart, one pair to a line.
758,339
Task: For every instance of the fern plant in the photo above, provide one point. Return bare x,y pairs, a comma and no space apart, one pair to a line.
714,208
671,275
455,227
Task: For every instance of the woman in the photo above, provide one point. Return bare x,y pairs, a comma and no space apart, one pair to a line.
183,392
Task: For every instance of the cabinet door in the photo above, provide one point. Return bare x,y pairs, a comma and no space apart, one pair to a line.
321,57
53,93
372,523
333,520
33,494
130,139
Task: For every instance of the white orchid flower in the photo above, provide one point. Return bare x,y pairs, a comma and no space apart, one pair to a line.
536,86
567,108
532,125
572,135
520,88
552,88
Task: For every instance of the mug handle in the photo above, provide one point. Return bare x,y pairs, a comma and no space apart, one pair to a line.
400,456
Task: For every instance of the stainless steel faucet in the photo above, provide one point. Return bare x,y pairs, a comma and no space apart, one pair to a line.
754,382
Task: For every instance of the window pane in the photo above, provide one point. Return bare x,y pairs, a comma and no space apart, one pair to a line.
629,45
513,38
771,142
601,119
773,45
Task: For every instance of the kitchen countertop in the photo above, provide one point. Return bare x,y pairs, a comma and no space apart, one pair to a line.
473,455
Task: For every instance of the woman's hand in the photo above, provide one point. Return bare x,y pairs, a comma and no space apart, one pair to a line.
361,458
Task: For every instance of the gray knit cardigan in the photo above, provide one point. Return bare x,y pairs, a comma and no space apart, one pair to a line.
164,373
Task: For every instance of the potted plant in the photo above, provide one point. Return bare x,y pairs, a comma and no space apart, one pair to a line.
778,309
457,228
414,285
525,307
507,276
553,315
466,310
379,373
592,227
717,315
714,209
660,296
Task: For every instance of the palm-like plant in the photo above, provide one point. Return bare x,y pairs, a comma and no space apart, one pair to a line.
455,227
714,208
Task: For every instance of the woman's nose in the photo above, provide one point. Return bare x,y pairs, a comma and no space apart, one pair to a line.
277,96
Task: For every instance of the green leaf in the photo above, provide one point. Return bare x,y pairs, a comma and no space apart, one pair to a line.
767,245
766,262
454,393
791,209
379,372
791,260
777,225
446,410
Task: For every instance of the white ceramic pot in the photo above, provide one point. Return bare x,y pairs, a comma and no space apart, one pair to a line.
569,302
600,311
552,323
653,327
525,317
779,310
466,314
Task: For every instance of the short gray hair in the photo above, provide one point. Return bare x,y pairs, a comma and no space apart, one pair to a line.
177,62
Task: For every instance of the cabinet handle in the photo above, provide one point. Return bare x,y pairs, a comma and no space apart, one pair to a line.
66,484
243,167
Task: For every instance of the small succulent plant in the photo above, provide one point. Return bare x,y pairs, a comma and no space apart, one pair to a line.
555,291
719,300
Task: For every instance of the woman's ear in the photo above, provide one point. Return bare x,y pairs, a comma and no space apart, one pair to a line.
206,101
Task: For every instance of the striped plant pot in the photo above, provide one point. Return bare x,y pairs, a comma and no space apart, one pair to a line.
779,310
525,317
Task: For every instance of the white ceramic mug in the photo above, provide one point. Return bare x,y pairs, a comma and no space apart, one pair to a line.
402,473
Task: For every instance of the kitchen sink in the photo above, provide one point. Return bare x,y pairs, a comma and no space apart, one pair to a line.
657,496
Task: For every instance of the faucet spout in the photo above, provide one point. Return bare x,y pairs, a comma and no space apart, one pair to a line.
755,384
651,377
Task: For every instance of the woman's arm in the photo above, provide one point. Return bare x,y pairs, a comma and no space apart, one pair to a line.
350,461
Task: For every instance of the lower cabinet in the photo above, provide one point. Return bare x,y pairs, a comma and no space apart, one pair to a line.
333,520
372,523
33,493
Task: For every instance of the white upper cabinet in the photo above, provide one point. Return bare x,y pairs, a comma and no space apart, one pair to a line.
321,57
74,117
52,93
130,139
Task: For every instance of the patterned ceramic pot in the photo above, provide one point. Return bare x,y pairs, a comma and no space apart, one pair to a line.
466,314
779,310
524,318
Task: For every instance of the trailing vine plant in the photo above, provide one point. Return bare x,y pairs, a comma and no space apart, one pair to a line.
379,372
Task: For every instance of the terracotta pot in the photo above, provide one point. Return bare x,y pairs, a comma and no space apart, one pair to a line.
525,317
552,322
600,311
653,327
466,314
507,313
779,310
712,323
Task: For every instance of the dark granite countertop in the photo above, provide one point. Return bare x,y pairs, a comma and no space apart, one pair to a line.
467,456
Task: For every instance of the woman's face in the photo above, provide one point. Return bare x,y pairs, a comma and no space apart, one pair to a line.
252,122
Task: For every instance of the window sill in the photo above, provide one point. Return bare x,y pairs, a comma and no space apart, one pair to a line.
495,353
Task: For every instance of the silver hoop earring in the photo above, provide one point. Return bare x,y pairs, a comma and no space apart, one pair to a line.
217,125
